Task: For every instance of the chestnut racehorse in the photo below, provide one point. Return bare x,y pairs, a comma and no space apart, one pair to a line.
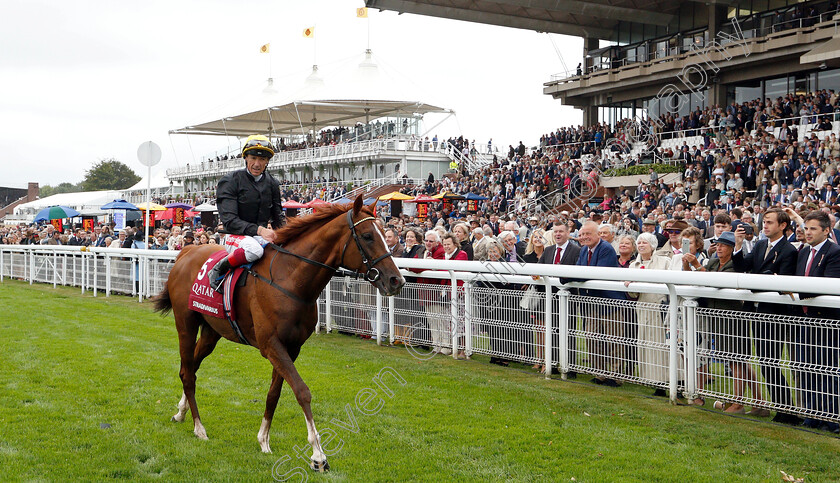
277,310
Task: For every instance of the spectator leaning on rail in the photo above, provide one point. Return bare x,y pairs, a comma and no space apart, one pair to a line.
248,200
773,255
601,319
819,343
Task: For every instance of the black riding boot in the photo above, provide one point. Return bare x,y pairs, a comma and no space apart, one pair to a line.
217,274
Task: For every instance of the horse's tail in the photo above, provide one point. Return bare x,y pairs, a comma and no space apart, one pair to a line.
163,303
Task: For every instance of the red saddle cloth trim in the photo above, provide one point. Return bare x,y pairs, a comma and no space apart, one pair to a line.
203,299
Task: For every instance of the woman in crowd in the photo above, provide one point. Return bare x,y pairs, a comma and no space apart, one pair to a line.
462,233
453,252
628,227
652,352
495,310
733,335
626,250
695,239
626,255
533,252
412,325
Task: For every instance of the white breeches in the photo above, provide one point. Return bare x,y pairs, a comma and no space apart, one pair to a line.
252,246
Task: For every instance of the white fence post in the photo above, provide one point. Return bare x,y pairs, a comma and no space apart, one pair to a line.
689,306
453,306
468,319
673,332
563,324
107,274
549,314
31,266
95,272
328,306
392,316
378,318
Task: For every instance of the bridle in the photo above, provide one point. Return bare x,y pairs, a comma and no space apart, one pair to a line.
372,274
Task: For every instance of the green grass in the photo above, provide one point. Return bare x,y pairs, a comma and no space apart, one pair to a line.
70,363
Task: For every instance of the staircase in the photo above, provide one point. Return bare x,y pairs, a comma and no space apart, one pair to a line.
554,202
480,161
378,187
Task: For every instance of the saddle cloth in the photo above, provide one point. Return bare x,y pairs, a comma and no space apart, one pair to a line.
205,300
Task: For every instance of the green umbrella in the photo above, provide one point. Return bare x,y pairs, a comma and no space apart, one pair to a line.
57,212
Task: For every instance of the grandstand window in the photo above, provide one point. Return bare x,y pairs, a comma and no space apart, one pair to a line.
774,88
829,79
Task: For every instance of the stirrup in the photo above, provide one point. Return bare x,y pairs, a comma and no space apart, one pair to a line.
217,275
217,284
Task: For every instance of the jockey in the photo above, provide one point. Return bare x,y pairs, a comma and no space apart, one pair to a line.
248,199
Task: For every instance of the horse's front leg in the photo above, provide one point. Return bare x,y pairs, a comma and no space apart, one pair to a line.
270,406
282,362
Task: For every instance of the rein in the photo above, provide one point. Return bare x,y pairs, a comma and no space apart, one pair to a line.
372,274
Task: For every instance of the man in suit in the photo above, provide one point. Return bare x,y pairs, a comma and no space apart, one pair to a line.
563,252
601,318
514,250
819,345
392,241
772,255
705,224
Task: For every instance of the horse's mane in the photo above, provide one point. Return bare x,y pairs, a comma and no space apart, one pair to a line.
296,226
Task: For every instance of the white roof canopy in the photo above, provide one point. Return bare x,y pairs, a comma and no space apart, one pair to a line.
362,95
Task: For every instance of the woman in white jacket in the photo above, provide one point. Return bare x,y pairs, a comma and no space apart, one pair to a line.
652,345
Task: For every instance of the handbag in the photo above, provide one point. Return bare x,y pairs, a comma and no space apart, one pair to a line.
531,299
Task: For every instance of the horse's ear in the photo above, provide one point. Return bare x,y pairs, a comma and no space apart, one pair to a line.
357,205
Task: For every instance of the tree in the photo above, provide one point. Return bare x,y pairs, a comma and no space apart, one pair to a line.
65,187
109,174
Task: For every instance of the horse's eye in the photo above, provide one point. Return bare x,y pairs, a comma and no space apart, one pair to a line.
367,236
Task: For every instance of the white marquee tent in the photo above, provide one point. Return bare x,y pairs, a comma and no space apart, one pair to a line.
365,93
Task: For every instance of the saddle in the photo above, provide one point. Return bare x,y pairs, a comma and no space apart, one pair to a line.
203,299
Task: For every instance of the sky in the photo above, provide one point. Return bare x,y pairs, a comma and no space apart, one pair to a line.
87,80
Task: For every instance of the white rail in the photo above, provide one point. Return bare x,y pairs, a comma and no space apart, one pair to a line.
671,342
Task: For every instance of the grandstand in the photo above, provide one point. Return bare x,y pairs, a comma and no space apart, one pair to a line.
692,54
356,127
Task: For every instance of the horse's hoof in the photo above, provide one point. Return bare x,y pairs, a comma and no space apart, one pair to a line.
320,467
175,419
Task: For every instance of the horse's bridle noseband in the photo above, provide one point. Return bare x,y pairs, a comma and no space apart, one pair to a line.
372,274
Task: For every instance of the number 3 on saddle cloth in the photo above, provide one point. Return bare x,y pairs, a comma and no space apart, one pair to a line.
205,300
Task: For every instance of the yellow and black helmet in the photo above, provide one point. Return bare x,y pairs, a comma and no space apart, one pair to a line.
258,145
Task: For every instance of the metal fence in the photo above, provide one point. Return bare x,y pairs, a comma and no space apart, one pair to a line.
690,333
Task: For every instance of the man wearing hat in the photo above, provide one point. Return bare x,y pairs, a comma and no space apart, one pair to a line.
673,229
248,200
649,226
533,223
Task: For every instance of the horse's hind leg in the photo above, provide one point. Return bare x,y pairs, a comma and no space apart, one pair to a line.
206,343
270,406
188,323
282,362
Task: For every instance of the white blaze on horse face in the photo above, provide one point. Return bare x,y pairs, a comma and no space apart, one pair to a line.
381,234
262,436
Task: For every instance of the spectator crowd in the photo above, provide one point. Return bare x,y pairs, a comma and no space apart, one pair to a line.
755,192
